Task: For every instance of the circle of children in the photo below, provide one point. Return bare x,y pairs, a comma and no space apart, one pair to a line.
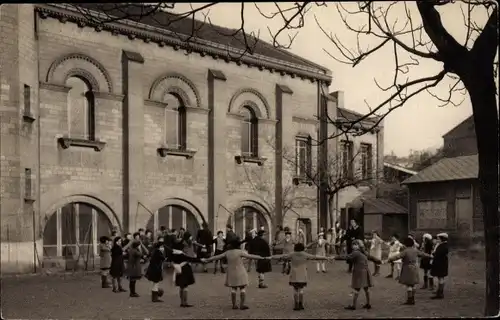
130,255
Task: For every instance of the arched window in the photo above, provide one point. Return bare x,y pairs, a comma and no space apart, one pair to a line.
247,218
74,230
249,133
175,122
174,217
81,109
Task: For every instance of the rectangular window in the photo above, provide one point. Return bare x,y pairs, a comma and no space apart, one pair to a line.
27,183
432,214
171,128
303,156
366,160
246,138
181,128
347,158
27,99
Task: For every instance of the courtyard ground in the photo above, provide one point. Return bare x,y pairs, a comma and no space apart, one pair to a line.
80,296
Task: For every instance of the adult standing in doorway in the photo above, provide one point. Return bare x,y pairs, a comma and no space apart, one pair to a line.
354,232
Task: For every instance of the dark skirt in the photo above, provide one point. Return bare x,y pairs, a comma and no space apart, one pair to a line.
134,278
263,266
439,269
154,273
298,285
425,263
204,253
185,278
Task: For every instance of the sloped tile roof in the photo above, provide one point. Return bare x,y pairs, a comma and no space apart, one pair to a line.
350,115
189,28
448,169
374,205
383,206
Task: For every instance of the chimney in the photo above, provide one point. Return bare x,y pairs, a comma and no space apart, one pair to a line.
339,95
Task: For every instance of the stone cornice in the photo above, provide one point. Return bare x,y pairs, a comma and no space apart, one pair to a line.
197,110
267,121
305,120
236,116
54,87
154,103
164,37
109,96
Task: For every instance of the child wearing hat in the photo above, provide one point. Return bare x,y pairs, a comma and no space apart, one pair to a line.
409,270
183,272
394,249
425,263
134,269
361,277
105,261
261,247
236,273
117,265
288,247
154,272
320,252
439,267
298,274
376,250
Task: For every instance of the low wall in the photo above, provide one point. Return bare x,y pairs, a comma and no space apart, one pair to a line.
19,257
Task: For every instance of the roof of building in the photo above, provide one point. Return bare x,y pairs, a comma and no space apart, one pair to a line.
350,115
192,28
400,168
448,169
374,205
469,121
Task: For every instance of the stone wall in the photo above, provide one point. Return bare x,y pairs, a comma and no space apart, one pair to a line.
131,93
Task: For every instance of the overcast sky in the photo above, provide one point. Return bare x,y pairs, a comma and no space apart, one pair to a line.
420,124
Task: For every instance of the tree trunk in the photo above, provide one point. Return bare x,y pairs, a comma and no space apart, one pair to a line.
481,87
331,212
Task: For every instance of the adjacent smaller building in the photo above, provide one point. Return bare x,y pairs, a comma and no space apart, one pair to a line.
444,197
384,207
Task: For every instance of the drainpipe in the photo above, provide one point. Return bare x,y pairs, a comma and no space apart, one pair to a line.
39,143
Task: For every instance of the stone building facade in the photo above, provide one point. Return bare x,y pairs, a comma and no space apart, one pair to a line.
124,125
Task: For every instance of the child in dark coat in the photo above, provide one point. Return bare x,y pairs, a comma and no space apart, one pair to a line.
261,248
134,269
183,273
361,277
409,270
105,259
439,267
117,265
220,246
425,263
154,273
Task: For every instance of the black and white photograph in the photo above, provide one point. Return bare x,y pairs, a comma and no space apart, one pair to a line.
249,160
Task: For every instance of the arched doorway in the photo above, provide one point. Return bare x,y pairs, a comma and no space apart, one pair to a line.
174,217
74,230
247,218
